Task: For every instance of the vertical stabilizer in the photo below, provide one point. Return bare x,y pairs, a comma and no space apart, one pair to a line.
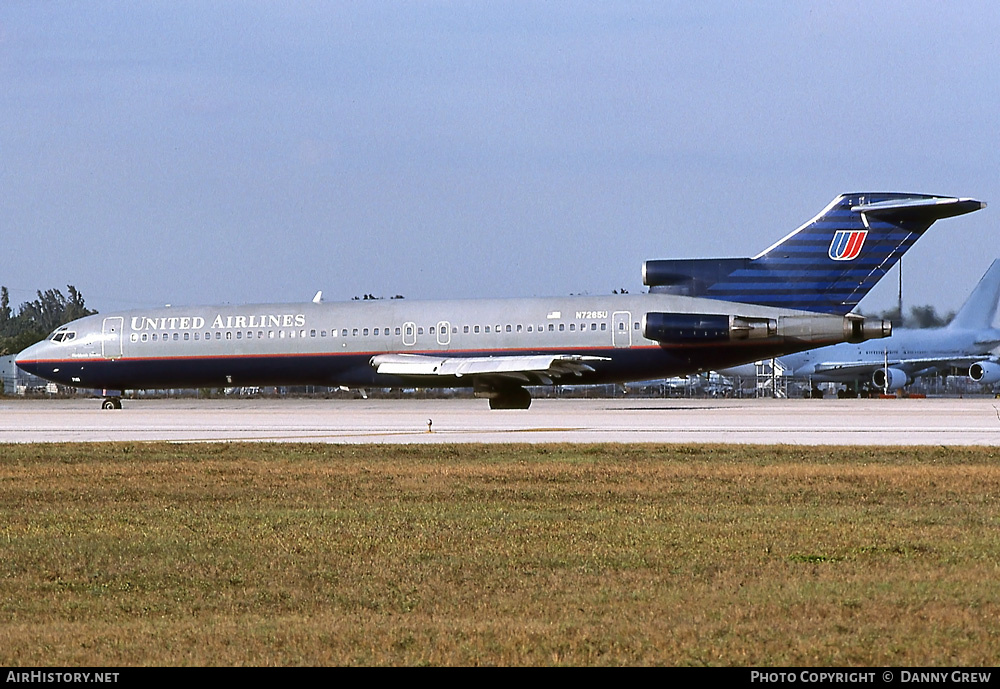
827,265
979,310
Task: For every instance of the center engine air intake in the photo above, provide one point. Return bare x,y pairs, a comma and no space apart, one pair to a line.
699,327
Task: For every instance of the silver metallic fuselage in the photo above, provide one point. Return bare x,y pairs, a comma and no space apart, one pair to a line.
334,343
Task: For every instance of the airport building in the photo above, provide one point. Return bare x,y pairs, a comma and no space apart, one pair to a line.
14,381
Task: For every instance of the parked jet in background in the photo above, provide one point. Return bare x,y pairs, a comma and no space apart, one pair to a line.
701,315
965,343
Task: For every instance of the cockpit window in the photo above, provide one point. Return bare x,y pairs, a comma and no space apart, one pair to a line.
62,335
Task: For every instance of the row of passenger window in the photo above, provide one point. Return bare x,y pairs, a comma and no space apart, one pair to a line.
368,332
229,335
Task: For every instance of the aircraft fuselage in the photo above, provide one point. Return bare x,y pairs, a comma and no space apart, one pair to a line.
334,343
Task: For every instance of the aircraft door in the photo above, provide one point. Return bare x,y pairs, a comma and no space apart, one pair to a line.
409,334
621,328
444,333
111,342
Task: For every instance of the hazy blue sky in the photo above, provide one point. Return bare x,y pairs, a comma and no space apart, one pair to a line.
194,152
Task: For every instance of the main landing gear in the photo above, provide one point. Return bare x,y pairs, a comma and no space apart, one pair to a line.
112,399
507,398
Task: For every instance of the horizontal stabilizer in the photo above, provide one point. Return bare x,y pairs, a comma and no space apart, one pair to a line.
920,209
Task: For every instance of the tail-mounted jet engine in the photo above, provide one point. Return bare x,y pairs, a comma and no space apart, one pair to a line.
691,328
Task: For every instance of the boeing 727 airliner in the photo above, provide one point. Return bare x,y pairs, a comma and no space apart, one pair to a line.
700,314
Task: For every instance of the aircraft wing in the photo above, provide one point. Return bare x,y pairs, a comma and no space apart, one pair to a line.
914,365
532,368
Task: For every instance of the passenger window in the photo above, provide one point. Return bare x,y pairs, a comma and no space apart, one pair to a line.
229,336
187,336
365,332
465,329
477,328
176,337
572,326
562,327
508,328
312,333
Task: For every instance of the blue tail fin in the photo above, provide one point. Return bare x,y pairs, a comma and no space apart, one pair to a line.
979,310
827,265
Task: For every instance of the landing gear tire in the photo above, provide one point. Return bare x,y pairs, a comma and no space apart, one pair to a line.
518,398
112,403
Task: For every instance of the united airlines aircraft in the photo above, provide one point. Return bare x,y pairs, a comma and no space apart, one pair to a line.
699,314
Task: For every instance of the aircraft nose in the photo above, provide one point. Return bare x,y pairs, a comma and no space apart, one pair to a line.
27,359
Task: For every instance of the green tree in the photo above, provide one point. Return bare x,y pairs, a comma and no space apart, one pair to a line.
919,317
4,306
36,319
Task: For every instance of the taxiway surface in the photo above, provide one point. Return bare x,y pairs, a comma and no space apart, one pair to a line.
940,421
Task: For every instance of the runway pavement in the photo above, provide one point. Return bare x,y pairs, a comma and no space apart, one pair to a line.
938,421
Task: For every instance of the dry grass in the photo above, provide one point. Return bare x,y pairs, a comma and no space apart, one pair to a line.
241,554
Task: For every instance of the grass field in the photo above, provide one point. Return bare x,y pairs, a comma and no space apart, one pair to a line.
284,554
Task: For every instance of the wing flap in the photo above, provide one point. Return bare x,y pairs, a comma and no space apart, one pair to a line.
519,368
